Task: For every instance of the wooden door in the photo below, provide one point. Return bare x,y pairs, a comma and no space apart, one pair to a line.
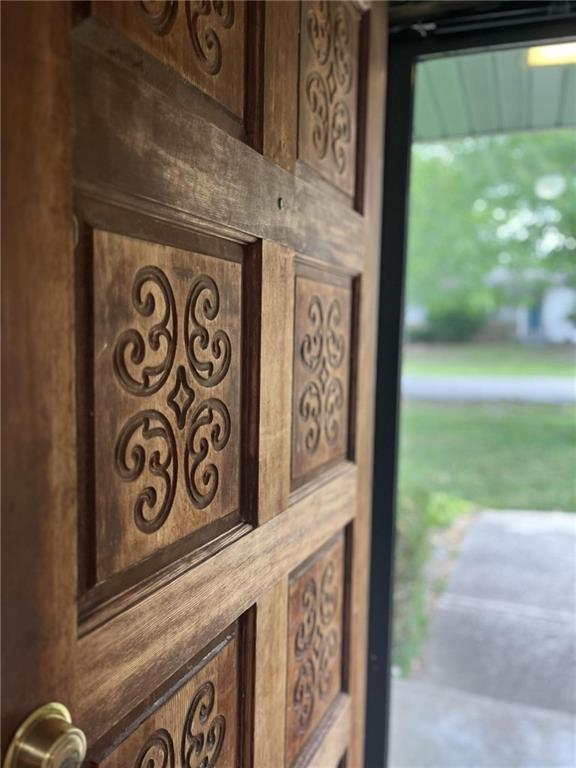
191,244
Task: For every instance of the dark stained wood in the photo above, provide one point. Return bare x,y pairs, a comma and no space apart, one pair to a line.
329,66
208,703
187,278
205,45
270,676
376,21
280,116
277,329
199,176
328,747
202,602
167,363
322,355
38,406
315,628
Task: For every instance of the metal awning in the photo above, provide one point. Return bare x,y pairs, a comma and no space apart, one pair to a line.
489,93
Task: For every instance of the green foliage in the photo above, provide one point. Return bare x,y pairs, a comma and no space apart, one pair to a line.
502,206
457,323
419,514
500,456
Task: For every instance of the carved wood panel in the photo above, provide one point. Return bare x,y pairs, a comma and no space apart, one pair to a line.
314,644
322,338
196,727
204,40
166,396
329,43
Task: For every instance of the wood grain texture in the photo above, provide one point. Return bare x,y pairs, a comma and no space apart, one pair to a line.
315,629
328,749
167,396
199,176
198,722
38,403
275,380
376,20
322,354
270,678
214,594
329,66
203,41
280,115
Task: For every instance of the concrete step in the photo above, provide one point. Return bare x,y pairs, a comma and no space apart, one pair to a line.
438,727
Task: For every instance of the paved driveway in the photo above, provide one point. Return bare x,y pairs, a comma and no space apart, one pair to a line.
498,684
541,389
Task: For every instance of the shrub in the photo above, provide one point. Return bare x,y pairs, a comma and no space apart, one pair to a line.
455,323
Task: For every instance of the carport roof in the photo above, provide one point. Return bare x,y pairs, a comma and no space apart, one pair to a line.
489,93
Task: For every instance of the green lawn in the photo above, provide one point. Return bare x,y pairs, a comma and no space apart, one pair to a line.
457,458
489,360
499,455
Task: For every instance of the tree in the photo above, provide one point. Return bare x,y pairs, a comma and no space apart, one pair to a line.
492,220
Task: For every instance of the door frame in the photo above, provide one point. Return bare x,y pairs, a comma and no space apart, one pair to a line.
404,53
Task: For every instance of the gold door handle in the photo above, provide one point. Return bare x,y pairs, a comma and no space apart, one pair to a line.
47,739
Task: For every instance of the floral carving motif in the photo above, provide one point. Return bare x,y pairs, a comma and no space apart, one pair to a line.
151,507
322,352
204,17
330,80
210,428
203,737
205,20
316,645
160,14
130,352
157,751
146,442
209,358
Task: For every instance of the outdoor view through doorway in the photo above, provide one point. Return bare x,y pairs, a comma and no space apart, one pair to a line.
484,655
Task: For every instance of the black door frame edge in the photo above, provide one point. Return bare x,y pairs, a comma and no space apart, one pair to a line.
403,56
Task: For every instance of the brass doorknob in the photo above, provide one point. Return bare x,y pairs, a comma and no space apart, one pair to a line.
47,739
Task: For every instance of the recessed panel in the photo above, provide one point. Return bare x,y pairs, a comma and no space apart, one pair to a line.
314,644
166,396
329,42
203,40
197,726
322,337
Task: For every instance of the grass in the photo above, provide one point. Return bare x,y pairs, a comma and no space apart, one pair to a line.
489,359
455,458
503,456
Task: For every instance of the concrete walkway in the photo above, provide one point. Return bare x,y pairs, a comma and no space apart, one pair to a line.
498,684
541,389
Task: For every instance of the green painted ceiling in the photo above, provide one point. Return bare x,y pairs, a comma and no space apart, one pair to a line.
491,92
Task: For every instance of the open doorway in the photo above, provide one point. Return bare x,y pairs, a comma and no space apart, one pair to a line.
465,469
484,628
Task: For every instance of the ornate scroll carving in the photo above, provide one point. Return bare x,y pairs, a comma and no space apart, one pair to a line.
315,616
157,751
322,350
208,354
209,430
160,14
321,374
205,18
152,504
131,351
317,98
329,86
203,736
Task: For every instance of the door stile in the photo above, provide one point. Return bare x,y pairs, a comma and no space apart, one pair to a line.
376,20
38,402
